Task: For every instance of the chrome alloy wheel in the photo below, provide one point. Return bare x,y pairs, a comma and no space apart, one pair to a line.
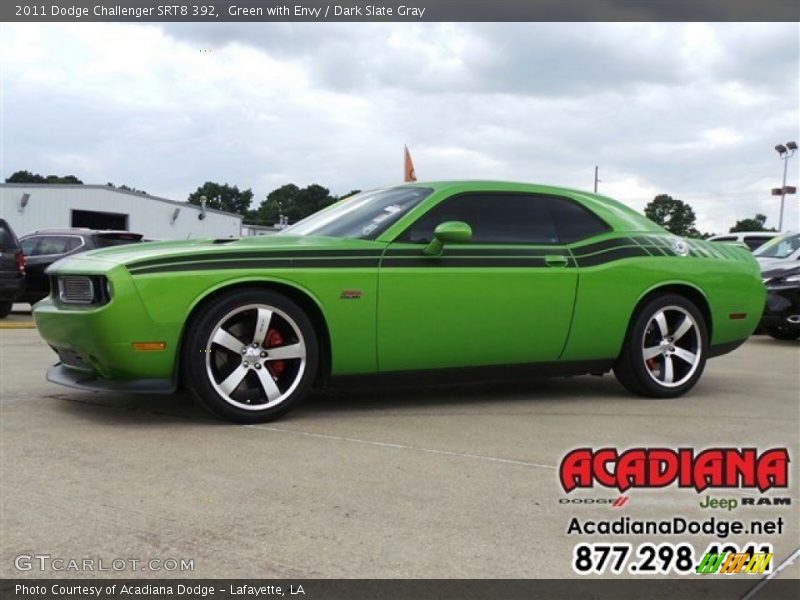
255,357
672,346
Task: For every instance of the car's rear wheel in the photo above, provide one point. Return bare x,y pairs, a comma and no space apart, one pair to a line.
250,356
782,334
665,348
5,309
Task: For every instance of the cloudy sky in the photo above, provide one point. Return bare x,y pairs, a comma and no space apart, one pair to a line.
693,110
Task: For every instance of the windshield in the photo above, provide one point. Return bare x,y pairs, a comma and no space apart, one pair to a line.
363,216
780,247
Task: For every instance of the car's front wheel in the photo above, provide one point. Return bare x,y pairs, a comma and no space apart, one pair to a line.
665,348
250,356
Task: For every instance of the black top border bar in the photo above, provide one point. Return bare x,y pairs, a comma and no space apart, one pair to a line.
253,11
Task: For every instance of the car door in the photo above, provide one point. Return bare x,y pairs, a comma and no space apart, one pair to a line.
506,297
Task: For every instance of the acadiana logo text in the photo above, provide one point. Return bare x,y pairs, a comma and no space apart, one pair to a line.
660,467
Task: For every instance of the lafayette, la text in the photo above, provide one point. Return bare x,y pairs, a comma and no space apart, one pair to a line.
149,589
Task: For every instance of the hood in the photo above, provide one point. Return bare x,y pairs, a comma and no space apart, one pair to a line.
130,254
780,268
772,264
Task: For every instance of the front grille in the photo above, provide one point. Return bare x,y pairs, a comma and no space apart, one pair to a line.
76,289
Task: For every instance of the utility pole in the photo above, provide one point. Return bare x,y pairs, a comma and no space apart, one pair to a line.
785,153
596,179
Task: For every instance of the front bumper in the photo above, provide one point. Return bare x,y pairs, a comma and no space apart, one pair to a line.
782,308
86,380
98,339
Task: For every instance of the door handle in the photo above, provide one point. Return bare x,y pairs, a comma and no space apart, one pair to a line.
556,260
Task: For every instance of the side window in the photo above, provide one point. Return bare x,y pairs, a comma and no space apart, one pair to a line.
53,244
573,222
494,218
72,243
29,246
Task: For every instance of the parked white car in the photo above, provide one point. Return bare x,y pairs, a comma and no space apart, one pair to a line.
752,239
779,250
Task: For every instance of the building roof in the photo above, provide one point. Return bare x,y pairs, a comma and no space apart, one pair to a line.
94,186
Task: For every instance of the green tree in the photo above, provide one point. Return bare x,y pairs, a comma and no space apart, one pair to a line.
126,188
757,223
292,202
223,197
28,177
672,214
309,200
279,199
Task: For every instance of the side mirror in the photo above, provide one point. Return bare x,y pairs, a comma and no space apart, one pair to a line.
449,232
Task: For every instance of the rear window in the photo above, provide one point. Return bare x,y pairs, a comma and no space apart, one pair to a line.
754,241
7,239
105,240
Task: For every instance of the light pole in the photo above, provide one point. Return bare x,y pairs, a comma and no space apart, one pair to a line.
785,153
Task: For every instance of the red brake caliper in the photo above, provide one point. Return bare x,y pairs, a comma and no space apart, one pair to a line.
651,363
273,339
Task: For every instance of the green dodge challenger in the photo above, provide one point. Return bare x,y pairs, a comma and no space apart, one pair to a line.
463,278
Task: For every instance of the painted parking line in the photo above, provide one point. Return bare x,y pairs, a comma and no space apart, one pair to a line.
353,440
17,325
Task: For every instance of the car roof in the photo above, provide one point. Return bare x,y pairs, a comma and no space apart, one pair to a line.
79,231
766,234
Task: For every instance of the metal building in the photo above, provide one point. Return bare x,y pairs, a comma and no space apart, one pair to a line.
31,206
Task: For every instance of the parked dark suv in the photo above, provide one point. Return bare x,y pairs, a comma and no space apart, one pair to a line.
12,268
44,247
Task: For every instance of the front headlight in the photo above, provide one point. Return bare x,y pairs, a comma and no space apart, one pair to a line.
81,289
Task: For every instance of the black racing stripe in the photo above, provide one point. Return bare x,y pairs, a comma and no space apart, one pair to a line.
444,262
657,245
644,241
604,245
601,253
610,256
206,256
481,252
277,263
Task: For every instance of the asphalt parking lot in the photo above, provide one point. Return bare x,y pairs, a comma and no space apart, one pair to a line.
437,482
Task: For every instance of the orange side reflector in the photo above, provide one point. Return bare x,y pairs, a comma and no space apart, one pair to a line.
737,316
149,346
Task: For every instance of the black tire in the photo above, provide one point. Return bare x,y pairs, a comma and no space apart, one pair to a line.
787,335
647,377
206,366
5,309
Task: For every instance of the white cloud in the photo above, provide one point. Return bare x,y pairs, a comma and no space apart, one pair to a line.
692,110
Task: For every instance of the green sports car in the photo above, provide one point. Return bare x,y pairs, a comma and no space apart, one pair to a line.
465,278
